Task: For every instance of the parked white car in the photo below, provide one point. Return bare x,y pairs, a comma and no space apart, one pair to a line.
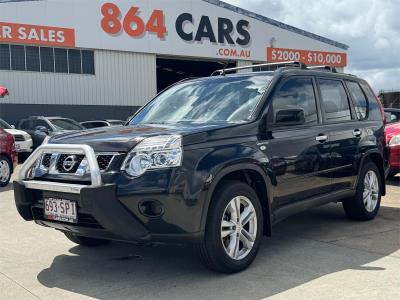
23,141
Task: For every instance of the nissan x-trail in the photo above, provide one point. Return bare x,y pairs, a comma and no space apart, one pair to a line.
215,162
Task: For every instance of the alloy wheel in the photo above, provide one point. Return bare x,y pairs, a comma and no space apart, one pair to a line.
239,227
371,191
4,171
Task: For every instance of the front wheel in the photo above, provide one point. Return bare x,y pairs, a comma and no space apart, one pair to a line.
233,230
85,241
365,205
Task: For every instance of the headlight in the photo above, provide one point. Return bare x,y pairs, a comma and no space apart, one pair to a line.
395,140
159,152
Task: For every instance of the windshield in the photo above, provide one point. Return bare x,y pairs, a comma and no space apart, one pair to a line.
4,125
213,100
66,124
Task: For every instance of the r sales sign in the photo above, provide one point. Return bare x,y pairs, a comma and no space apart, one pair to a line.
38,35
191,28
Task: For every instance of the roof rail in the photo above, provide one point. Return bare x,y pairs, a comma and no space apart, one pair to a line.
297,64
323,68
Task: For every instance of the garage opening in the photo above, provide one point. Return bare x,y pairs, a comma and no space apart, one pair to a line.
170,71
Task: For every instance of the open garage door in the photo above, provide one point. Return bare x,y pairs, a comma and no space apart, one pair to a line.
170,71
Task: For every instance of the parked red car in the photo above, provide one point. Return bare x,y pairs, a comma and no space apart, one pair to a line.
392,132
8,157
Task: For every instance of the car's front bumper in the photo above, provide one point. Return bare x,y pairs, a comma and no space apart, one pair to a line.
24,146
149,208
101,214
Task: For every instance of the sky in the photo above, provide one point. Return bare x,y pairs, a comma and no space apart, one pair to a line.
370,27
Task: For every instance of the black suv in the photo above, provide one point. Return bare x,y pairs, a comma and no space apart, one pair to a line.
216,162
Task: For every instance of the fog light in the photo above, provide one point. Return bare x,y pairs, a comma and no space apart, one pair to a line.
151,208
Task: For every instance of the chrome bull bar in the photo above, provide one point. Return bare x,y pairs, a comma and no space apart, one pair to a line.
86,150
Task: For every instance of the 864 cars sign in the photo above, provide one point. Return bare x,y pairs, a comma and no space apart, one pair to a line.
186,28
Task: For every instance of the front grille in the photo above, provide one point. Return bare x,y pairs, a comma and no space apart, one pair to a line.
46,160
60,163
19,138
84,220
104,161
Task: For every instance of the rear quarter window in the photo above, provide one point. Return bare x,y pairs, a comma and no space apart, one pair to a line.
374,110
360,101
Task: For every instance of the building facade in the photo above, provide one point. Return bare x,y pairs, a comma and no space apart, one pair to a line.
98,59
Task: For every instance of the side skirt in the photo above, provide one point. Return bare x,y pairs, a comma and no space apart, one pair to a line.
293,208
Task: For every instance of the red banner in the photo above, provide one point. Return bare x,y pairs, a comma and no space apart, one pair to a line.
37,35
309,57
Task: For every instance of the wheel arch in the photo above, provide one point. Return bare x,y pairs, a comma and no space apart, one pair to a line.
252,175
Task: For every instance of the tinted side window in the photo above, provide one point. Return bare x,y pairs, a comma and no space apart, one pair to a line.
374,110
296,95
360,101
335,101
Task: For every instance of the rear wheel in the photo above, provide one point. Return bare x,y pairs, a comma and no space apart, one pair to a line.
365,205
234,228
5,170
85,241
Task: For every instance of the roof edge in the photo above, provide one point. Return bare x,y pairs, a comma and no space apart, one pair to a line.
273,22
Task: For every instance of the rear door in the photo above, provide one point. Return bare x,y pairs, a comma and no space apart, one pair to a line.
343,129
297,142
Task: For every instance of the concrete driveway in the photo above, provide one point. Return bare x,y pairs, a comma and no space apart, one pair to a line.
314,255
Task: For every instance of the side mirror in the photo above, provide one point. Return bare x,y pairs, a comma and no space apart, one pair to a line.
42,129
290,117
13,126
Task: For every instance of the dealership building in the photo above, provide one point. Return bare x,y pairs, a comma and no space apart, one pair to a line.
104,59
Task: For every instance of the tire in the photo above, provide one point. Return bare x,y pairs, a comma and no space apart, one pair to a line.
213,251
358,209
85,241
5,170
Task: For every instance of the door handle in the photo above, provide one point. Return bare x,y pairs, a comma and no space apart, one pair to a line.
321,138
357,133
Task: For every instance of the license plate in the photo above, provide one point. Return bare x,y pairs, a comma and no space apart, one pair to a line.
17,147
60,210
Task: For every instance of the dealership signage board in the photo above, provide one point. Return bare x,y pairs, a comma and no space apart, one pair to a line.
191,28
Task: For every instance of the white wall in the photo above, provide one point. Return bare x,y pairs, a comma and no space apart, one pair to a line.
122,78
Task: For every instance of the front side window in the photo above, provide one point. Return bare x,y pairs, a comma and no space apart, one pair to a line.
335,101
213,100
295,104
360,101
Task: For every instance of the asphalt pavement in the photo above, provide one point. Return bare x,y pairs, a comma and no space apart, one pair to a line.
318,254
